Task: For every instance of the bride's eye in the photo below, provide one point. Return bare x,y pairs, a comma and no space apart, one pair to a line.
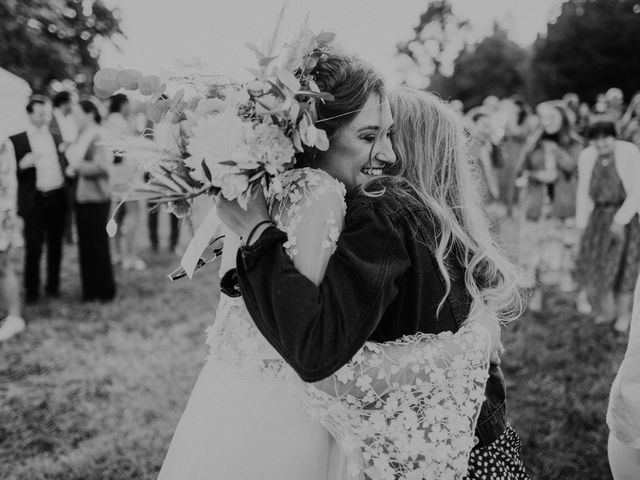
369,138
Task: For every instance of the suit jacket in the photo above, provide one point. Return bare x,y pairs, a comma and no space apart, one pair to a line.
27,177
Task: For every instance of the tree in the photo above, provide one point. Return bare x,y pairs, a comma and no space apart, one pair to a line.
495,66
46,40
592,45
438,38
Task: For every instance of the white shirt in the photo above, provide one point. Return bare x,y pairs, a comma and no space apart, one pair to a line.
49,174
68,128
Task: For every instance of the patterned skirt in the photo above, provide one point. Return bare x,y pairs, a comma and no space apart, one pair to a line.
499,460
604,263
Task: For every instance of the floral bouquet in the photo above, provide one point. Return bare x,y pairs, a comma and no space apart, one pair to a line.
233,137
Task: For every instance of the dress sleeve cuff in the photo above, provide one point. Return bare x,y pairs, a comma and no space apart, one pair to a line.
250,253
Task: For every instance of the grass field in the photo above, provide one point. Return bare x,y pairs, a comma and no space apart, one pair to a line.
94,391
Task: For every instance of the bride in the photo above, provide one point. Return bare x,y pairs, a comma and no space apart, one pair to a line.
246,417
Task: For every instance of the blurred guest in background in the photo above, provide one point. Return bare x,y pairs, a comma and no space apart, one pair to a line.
584,119
63,125
42,199
167,135
547,171
630,123
519,125
488,160
90,162
10,241
124,174
562,142
608,206
614,104
571,104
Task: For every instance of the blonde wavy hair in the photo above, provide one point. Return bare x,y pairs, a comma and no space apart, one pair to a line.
433,165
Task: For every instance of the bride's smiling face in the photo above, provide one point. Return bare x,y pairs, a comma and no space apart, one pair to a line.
362,149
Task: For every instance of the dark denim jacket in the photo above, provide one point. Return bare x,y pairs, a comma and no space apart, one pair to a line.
381,283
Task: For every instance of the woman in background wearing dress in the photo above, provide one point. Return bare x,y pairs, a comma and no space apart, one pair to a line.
630,123
123,174
516,131
608,204
549,165
90,163
10,239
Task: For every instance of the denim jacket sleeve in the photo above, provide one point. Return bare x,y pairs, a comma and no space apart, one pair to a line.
318,328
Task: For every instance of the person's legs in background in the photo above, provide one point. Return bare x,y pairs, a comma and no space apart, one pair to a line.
33,238
152,225
10,293
54,217
104,282
83,222
174,235
130,259
531,246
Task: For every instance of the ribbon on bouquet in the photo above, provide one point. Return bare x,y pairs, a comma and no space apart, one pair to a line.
201,241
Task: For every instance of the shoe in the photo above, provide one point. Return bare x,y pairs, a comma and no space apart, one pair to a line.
622,324
11,326
139,264
133,264
603,319
582,303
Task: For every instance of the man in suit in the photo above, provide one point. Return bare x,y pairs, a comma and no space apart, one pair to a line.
41,197
63,125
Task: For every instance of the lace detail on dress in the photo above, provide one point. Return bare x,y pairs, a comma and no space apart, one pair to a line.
407,409
295,190
234,338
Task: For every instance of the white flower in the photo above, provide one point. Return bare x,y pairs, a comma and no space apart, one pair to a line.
272,148
220,138
234,186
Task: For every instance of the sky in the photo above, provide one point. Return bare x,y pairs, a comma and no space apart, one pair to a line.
163,33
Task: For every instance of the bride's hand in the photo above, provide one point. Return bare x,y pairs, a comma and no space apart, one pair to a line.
239,220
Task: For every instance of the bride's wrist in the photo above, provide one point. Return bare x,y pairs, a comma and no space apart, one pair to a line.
256,232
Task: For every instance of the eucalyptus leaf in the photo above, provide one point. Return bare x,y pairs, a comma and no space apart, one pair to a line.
177,98
205,169
149,84
322,141
253,47
157,110
256,73
128,79
324,38
106,80
288,79
266,61
101,94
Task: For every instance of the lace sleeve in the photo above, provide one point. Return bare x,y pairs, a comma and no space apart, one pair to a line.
407,409
309,206
403,409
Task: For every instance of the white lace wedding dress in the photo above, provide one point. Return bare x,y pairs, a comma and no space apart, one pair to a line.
405,408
